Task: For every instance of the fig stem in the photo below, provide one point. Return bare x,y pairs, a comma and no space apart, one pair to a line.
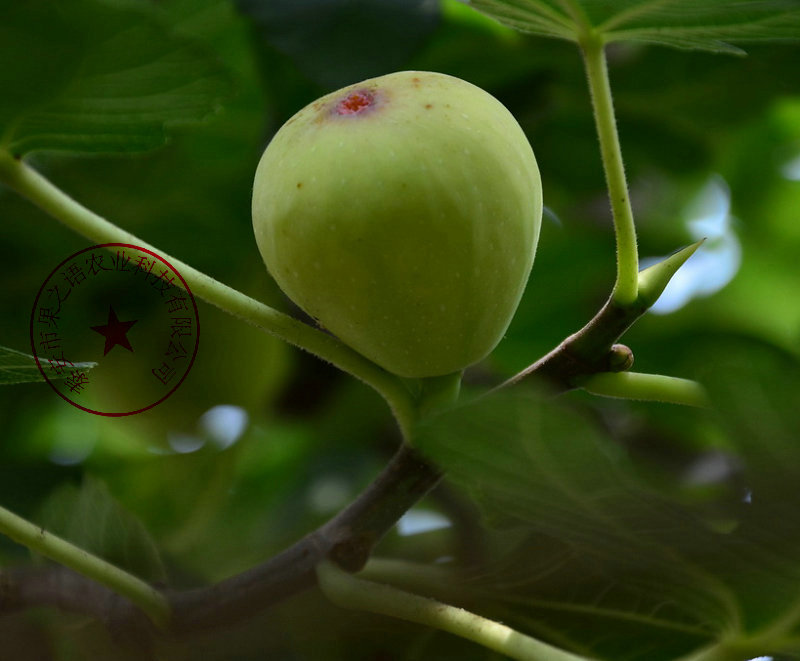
348,591
152,602
438,393
594,57
40,191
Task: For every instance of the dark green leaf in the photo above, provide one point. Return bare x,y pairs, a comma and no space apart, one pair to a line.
94,76
18,367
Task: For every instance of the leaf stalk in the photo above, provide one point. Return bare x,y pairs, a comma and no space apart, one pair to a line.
626,286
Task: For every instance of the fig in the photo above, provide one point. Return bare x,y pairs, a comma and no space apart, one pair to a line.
402,213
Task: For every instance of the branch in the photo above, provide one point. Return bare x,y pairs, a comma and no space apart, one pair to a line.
589,351
591,359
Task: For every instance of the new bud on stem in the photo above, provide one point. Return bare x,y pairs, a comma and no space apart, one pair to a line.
403,214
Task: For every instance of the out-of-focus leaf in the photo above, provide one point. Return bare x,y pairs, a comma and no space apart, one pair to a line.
533,463
756,386
603,545
339,42
99,76
18,367
90,517
710,25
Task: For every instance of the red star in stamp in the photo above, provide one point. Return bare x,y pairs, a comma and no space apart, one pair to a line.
115,332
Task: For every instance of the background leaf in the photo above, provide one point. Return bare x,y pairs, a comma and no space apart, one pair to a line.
90,517
99,76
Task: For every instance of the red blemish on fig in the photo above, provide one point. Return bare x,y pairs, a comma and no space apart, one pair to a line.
355,102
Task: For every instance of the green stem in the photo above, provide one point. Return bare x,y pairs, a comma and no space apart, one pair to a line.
648,387
152,602
594,57
32,185
347,591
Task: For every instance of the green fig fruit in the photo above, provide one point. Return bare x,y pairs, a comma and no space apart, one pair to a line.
402,213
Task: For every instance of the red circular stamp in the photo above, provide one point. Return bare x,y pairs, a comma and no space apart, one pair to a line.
114,329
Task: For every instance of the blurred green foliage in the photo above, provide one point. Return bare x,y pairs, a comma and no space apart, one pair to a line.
714,542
